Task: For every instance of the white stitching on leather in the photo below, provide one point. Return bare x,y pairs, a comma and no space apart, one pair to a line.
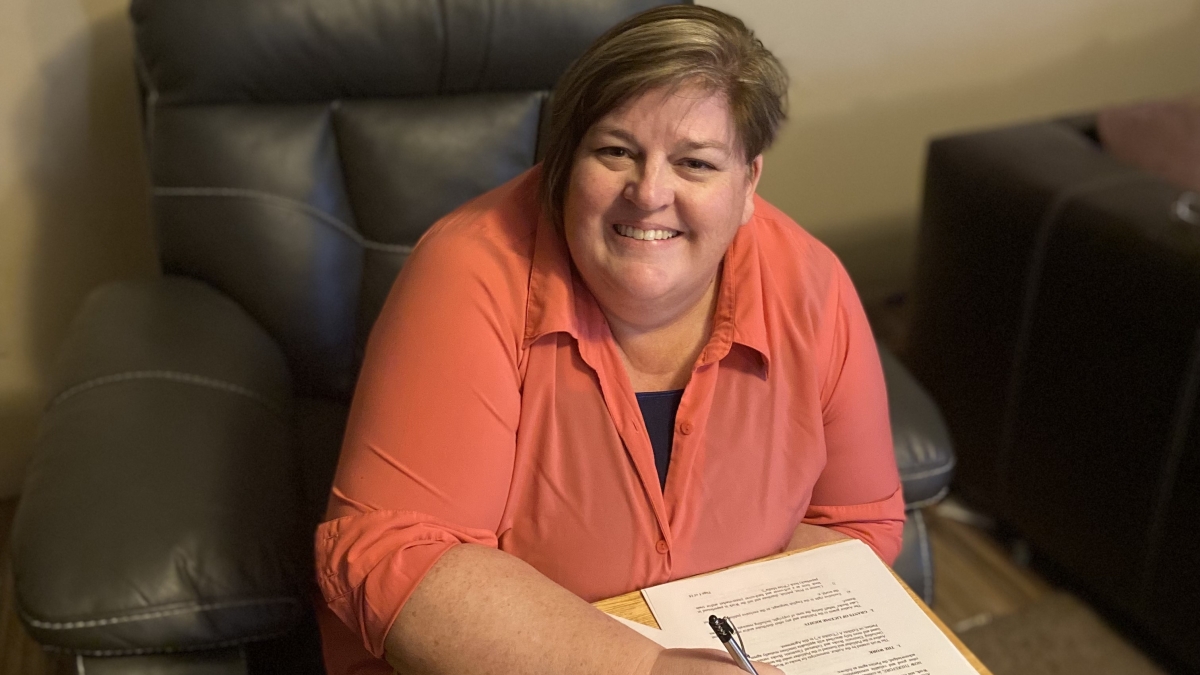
150,651
171,375
928,472
156,614
79,670
286,202
930,501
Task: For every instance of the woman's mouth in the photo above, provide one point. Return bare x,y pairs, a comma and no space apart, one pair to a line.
645,235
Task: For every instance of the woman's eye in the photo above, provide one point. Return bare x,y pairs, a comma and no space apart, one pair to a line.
697,165
613,151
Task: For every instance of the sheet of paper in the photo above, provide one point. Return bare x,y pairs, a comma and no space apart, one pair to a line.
834,610
662,637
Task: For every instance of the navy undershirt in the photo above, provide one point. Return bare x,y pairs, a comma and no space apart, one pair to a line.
658,411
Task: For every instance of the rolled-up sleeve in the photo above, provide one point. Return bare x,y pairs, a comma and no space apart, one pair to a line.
428,454
372,562
879,525
858,492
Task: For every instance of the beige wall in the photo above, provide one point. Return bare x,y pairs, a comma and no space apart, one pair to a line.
72,192
872,81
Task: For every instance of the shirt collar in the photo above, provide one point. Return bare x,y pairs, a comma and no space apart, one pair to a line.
739,318
550,307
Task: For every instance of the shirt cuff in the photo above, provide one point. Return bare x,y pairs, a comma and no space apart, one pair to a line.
879,525
369,564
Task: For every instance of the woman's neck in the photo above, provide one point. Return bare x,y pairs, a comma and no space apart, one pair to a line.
659,356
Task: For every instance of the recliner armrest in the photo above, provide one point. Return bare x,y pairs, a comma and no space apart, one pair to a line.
161,510
924,453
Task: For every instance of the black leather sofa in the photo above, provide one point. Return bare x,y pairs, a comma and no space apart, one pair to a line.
297,150
1056,319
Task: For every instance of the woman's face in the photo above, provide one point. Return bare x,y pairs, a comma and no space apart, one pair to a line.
658,189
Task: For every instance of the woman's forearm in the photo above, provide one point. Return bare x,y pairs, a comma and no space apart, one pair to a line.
483,612
480,611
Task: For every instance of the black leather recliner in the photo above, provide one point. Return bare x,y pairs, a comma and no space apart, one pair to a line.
298,149
1056,318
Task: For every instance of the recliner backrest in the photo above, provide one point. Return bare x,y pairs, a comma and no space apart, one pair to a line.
299,148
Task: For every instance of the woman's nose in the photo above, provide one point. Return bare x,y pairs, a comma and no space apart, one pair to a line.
650,188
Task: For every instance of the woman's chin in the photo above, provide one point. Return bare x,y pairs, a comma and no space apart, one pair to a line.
650,297
645,283
644,287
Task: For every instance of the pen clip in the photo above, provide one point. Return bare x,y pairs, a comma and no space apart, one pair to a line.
737,634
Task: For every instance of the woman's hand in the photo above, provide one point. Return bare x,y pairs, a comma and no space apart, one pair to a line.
702,662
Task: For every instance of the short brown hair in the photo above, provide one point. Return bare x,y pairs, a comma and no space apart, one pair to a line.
666,46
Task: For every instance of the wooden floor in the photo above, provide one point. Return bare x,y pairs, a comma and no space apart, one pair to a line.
975,579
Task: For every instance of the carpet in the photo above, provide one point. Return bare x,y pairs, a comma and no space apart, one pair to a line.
1057,635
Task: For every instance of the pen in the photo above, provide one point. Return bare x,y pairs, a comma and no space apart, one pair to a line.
728,635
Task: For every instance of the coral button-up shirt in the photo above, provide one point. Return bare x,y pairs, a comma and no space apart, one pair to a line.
494,408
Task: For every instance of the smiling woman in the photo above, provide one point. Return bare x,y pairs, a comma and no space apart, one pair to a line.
620,368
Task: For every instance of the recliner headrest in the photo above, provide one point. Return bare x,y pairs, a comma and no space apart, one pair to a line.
222,51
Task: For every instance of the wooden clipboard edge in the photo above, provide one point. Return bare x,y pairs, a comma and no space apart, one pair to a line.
633,606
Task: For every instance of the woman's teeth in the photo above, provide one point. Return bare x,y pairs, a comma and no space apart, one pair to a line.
635,233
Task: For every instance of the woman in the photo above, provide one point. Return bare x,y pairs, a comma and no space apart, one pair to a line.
618,369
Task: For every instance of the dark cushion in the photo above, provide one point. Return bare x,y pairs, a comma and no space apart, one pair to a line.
162,509
1099,398
305,213
986,198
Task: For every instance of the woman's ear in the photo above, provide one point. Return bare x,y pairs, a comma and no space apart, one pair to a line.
752,176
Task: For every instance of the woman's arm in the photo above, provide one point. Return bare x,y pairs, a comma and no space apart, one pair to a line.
858,493
480,611
483,611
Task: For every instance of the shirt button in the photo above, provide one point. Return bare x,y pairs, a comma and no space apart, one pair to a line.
661,546
685,428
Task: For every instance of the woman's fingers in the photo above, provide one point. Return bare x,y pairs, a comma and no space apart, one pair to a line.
766,668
